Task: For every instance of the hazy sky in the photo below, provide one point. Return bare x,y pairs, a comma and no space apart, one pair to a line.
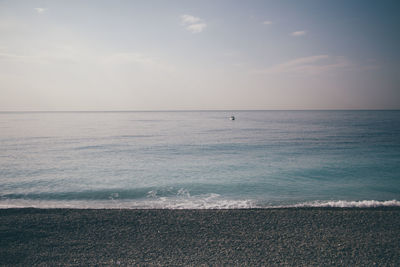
217,54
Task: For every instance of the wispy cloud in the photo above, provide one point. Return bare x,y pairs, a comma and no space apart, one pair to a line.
309,65
193,24
267,22
189,19
40,10
85,54
138,58
298,33
5,56
47,54
196,28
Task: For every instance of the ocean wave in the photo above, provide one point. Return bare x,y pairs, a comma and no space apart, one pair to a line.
208,201
349,204
183,201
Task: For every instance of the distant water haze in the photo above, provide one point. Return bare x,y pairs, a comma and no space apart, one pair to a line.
199,159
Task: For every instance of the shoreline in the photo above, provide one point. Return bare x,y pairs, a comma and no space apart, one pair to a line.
323,236
187,204
301,207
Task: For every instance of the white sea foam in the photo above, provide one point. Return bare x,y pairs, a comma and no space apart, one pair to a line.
206,201
350,204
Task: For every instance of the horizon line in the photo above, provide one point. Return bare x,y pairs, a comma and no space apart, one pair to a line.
191,110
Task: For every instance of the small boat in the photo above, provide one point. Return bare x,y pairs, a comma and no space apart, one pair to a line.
232,118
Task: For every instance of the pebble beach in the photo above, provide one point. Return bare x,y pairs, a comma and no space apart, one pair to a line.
236,237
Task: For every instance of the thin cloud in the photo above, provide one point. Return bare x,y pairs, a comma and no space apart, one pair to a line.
11,56
55,53
267,22
40,10
309,65
61,53
196,28
189,19
138,58
193,24
298,33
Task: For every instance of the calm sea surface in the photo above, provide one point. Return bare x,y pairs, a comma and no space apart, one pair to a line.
199,159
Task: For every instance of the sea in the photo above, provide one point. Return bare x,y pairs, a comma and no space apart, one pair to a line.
199,159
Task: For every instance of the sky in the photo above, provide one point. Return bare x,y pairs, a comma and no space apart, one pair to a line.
199,55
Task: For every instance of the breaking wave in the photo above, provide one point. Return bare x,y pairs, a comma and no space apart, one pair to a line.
182,201
349,204
209,201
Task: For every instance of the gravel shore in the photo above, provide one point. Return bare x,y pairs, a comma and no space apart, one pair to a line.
249,237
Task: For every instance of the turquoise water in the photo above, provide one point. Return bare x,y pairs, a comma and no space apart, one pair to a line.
199,159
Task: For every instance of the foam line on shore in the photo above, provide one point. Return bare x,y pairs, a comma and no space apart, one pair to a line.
212,202
350,204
